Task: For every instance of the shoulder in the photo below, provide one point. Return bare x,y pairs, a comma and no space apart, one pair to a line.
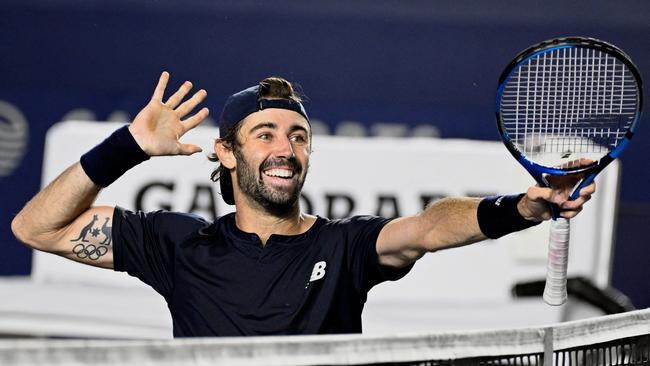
160,215
357,221
357,227
160,221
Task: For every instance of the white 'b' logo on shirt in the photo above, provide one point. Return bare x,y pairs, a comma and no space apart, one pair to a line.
318,272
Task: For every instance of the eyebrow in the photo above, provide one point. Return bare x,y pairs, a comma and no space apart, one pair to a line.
298,128
274,126
270,125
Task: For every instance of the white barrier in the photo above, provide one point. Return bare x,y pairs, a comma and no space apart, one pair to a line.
352,176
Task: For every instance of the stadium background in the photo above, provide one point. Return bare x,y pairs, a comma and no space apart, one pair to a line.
367,67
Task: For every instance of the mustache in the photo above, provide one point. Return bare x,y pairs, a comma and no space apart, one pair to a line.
291,162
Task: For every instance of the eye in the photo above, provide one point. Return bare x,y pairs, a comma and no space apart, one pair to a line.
264,136
298,138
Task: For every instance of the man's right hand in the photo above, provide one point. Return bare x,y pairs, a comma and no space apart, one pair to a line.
158,126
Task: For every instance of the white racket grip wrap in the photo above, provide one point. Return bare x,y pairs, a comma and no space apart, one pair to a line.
558,258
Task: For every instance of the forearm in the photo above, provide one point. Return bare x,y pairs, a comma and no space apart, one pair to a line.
450,222
460,221
56,206
447,223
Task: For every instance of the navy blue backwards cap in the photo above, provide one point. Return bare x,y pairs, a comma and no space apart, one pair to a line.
238,106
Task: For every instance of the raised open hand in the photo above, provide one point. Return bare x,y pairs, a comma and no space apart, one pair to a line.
158,126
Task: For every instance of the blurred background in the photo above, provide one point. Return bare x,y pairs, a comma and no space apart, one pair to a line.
367,68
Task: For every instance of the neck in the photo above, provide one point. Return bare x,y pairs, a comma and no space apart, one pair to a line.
264,224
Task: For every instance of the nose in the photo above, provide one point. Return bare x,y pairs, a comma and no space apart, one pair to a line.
284,148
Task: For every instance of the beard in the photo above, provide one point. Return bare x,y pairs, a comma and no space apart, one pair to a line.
276,201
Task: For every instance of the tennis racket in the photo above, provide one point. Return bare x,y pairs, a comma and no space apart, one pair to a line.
558,103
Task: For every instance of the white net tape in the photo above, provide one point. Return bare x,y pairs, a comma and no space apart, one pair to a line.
331,349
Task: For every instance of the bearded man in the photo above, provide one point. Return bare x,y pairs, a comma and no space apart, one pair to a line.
268,268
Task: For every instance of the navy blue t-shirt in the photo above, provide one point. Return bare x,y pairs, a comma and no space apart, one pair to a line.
220,281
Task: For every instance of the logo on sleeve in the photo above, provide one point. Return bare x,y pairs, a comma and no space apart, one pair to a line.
318,272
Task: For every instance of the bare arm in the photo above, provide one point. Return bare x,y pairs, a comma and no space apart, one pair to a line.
449,222
453,222
60,219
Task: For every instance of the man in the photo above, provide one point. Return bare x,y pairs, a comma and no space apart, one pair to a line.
267,268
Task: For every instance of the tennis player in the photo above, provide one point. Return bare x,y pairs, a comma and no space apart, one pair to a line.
268,268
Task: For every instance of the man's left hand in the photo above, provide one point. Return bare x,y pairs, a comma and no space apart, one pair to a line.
535,204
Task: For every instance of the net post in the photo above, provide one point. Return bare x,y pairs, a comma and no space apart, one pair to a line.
548,346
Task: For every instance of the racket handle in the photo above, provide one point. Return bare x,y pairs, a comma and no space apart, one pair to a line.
558,258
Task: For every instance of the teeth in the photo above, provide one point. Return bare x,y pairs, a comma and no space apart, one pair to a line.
283,173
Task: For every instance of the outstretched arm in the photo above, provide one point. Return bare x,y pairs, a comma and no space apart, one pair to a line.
60,219
454,222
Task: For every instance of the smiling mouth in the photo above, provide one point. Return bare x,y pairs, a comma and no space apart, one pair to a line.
279,173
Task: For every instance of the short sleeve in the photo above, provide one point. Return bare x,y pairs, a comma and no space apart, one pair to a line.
364,261
142,247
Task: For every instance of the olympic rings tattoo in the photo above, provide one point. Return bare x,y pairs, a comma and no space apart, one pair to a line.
89,251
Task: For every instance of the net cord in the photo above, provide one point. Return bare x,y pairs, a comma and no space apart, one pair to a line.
329,349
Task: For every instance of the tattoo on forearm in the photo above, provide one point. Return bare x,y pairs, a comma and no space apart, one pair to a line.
89,251
85,230
97,249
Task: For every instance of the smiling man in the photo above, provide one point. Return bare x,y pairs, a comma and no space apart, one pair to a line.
268,268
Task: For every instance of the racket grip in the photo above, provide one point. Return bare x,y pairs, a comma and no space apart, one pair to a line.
558,258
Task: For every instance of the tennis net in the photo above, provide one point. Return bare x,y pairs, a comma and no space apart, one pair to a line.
621,339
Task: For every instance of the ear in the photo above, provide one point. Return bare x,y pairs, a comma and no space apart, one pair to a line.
225,154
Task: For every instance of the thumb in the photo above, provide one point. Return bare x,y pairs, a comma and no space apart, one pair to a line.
537,193
534,205
189,149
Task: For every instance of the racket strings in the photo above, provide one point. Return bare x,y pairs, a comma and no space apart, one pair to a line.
568,103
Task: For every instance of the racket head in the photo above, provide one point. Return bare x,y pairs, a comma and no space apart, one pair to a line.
567,99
